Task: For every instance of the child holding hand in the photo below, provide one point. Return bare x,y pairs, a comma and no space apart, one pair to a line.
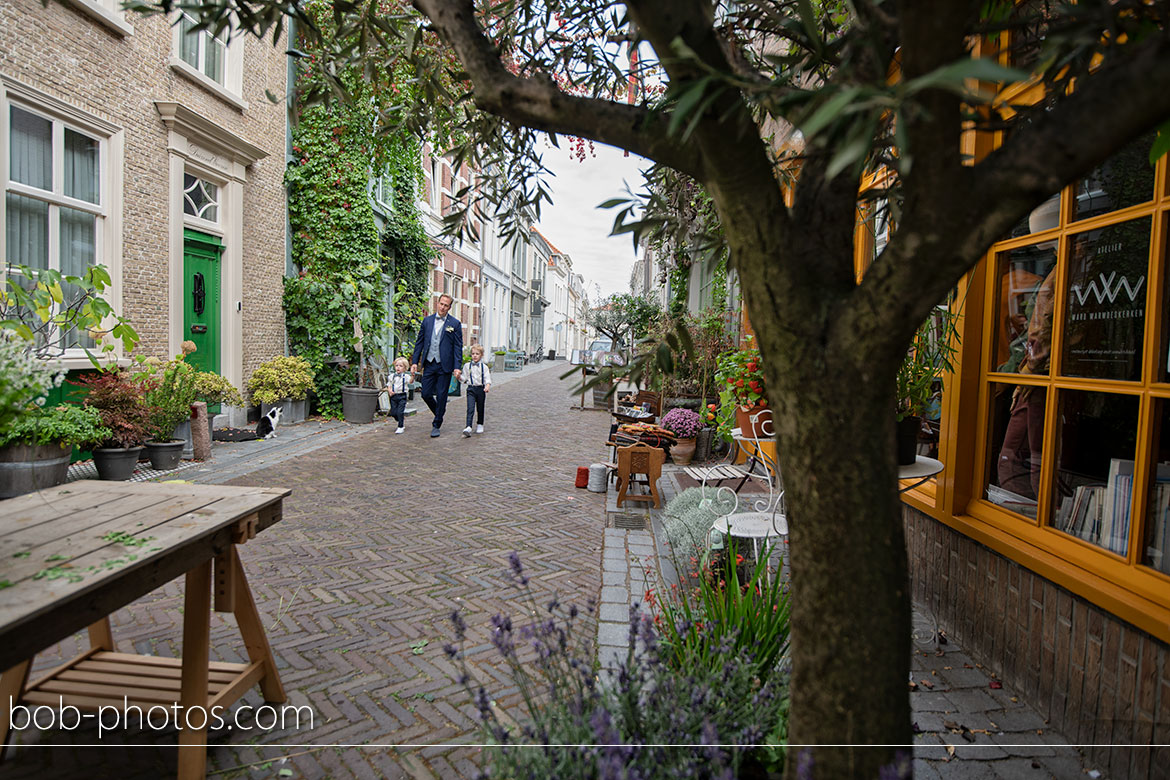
398,387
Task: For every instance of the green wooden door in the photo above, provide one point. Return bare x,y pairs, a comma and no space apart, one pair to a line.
201,302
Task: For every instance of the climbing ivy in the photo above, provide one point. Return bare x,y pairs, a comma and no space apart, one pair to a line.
344,266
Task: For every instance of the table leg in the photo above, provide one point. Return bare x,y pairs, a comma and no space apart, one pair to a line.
101,637
12,684
196,657
252,630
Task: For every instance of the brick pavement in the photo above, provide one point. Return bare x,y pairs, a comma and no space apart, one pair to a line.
382,537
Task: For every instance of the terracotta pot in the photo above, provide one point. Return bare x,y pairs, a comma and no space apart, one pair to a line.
682,451
762,429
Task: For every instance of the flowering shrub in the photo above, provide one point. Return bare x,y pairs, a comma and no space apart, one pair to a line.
627,726
281,377
683,423
24,378
741,375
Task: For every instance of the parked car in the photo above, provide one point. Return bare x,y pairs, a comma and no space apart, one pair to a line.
601,352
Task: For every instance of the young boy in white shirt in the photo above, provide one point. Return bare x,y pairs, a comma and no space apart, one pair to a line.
478,378
398,387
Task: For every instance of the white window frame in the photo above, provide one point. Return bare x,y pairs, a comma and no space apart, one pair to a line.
231,90
108,210
221,185
106,12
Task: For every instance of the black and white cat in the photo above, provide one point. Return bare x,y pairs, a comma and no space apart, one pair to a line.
266,428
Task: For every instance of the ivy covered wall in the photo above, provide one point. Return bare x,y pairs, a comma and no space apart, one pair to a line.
344,267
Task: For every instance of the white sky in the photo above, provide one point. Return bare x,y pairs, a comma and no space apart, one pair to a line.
575,225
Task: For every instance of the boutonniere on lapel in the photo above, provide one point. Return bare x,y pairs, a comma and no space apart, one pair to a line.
450,329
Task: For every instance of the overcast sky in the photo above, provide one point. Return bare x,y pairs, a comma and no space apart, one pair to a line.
575,225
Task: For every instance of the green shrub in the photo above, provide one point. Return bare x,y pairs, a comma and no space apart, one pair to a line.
212,388
689,516
169,392
281,377
66,423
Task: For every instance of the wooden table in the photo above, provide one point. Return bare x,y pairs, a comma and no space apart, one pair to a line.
72,555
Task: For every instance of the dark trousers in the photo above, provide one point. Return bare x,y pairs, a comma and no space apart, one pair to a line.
475,400
435,385
398,408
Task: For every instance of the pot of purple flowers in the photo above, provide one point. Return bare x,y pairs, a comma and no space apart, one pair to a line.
685,425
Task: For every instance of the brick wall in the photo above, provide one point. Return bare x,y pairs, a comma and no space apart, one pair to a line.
61,51
1097,679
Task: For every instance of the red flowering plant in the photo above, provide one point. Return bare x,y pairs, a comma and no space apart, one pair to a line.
741,374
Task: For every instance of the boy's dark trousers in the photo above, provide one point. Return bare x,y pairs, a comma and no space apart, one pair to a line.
475,399
398,408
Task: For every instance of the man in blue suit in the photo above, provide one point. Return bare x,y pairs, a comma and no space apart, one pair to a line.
439,350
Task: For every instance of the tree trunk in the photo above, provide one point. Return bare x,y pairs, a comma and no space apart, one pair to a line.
850,598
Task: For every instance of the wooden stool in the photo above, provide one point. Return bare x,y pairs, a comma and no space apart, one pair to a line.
635,460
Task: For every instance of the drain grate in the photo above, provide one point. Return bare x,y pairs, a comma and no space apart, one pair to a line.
629,522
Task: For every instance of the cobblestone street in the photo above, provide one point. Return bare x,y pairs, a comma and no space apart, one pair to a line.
382,537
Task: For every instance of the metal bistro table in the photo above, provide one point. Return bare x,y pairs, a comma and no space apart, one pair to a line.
922,469
73,554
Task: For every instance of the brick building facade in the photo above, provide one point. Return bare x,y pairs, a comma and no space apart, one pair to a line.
149,148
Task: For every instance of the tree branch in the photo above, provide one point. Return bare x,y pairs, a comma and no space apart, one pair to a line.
539,104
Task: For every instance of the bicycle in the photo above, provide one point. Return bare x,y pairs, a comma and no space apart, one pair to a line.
538,354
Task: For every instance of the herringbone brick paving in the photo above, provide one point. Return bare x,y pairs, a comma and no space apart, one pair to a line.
382,537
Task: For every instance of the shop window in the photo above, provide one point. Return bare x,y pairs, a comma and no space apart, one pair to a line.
1105,313
1154,551
1095,448
1126,179
1023,321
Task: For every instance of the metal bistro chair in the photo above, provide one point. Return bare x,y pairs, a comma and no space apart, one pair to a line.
727,469
759,518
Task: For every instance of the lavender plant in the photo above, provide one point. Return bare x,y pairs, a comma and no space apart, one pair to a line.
650,720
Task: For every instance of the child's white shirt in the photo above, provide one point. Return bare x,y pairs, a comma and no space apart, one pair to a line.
482,374
400,383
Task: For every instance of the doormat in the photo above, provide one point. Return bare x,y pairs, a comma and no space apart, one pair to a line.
628,522
234,434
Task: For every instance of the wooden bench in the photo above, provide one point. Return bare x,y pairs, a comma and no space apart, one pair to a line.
513,361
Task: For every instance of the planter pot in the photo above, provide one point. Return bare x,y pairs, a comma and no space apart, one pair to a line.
116,463
291,411
359,403
498,364
165,455
703,444
906,434
682,451
761,429
182,432
599,395
28,467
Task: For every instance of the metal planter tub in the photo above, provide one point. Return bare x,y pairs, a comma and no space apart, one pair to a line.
28,467
359,404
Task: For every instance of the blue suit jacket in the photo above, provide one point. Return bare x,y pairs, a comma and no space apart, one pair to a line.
450,345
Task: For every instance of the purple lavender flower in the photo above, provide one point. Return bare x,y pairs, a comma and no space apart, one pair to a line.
517,568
